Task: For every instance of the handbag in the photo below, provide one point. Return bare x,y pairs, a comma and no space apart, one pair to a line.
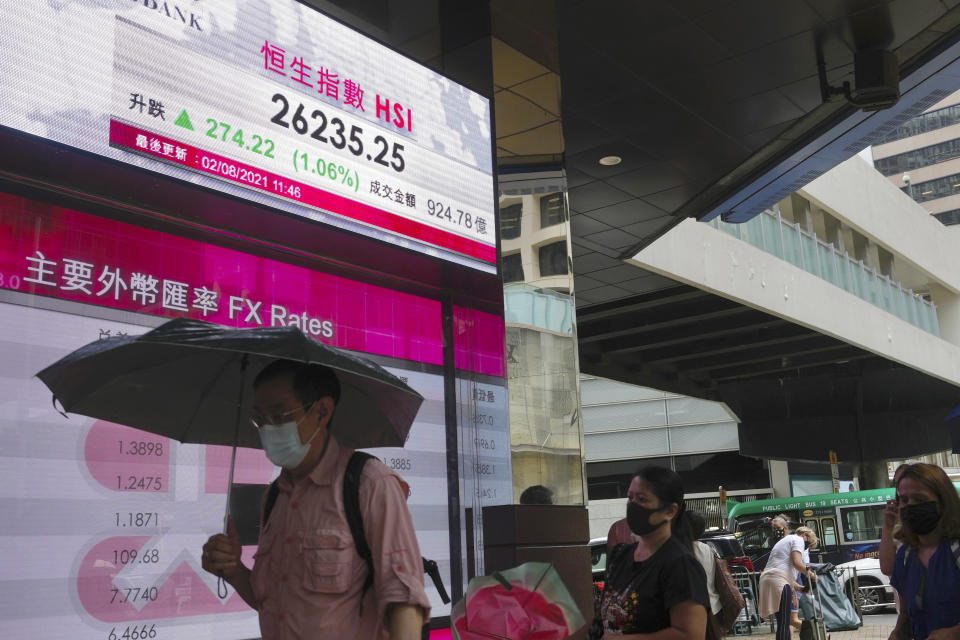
731,600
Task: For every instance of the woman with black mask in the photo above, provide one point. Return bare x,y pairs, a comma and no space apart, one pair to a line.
655,588
926,572
780,579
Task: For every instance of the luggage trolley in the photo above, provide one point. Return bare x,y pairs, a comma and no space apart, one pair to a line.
749,617
814,628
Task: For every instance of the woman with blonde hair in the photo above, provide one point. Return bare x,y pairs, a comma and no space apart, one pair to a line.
779,580
926,572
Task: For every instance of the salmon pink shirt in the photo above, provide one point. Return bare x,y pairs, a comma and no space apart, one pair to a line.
307,577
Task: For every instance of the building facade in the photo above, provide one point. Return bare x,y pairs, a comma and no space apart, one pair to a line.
922,157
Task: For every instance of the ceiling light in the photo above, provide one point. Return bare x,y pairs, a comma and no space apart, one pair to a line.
610,161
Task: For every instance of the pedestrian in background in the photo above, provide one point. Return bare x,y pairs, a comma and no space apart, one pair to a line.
707,558
779,582
780,525
926,571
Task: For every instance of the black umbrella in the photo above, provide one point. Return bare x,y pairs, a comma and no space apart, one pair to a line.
189,380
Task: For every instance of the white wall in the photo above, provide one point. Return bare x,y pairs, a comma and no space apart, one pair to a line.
699,255
860,196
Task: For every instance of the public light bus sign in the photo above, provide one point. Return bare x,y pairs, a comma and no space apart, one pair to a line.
272,102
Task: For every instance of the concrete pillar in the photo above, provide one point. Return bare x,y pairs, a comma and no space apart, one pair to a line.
872,257
873,475
948,312
817,222
780,478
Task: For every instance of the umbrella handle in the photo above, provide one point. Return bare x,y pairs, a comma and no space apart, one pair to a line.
503,581
244,361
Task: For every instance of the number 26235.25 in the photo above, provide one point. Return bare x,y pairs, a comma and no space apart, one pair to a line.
339,137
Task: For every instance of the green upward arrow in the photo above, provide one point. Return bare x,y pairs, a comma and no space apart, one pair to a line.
183,120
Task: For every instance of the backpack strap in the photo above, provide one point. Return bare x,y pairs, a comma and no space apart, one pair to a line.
271,500
955,548
351,507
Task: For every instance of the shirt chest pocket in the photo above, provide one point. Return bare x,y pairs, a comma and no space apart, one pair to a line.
328,557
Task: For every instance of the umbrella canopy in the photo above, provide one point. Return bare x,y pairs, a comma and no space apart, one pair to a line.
190,380
529,602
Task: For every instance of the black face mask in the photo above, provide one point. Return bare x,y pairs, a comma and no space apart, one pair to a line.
806,544
921,518
779,533
638,519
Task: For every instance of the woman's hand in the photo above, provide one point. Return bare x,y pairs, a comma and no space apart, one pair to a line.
891,514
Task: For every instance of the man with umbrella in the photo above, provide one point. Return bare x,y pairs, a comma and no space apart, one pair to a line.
188,380
307,579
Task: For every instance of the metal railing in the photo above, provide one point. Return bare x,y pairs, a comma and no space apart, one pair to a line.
865,597
869,597
770,232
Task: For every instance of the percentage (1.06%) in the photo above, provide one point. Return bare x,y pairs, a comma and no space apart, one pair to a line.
331,170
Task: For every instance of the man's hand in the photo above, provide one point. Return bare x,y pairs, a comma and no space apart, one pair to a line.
404,621
890,514
221,553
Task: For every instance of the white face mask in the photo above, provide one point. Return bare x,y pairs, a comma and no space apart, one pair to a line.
281,443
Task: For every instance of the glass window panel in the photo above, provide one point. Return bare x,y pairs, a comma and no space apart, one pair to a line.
791,245
607,417
512,267
855,277
871,288
886,294
753,232
860,524
732,229
553,259
687,410
808,245
826,257
510,218
829,532
600,390
552,210
643,442
925,122
771,234
704,437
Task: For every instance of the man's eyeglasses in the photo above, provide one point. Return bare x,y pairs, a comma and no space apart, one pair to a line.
259,420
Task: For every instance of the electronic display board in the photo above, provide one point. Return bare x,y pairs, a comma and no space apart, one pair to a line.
269,101
105,523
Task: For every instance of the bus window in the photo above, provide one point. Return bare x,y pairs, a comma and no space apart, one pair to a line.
829,528
813,524
860,524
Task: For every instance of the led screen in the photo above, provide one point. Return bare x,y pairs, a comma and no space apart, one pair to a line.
269,101
103,523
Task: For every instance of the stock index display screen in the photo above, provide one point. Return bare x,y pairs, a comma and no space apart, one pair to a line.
273,102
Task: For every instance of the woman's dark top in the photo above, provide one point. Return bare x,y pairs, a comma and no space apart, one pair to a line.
637,596
931,595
